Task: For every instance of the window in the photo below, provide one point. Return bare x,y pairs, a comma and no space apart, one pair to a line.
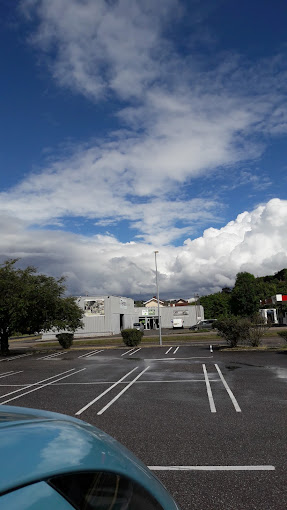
103,491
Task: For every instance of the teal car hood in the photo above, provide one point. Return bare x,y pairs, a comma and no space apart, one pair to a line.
35,445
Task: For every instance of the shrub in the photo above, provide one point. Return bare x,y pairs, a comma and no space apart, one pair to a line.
234,329
65,339
132,337
241,330
257,330
283,334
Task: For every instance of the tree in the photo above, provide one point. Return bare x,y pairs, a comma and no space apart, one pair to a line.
31,302
244,298
216,305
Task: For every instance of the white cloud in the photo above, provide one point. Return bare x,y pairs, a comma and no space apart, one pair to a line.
255,241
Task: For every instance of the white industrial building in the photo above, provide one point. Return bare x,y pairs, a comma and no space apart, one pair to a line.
108,315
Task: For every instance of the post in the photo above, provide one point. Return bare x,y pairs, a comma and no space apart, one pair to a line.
157,290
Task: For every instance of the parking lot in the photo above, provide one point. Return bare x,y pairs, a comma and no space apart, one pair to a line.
210,424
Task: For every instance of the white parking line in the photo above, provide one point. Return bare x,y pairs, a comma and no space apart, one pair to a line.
168,350
209,392
134,352
176,350
15,357
211,350
12,373
35,384
127,352
121,392
104,392
212,468
50,356
233,399
177,359
89,355
40,387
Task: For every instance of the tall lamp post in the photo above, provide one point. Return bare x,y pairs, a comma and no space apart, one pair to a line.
157,290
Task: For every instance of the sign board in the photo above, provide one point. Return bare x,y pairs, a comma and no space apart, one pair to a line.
94,307
176,313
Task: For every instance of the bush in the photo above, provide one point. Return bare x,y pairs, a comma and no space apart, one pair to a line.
132,337
240,330
65,339
257,330
283,334
234,329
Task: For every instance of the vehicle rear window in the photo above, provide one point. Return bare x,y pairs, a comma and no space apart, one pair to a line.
103,491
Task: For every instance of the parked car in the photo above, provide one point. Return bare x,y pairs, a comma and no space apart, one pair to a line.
139,326
52,461
205,324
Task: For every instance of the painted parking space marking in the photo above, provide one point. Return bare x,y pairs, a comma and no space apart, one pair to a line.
104,393
232,397
90,354
36,383
209,392
16,357
51,356
7,374
212,468
175,350
127,352
177,359
168,350
210,348
40,387
122,392
134,351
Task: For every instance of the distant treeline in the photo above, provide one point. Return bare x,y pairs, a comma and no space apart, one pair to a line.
245,297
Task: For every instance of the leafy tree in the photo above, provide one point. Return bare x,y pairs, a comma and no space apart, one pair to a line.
31,303
216,305
244,298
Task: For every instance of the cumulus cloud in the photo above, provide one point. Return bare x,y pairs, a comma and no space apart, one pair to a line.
255,241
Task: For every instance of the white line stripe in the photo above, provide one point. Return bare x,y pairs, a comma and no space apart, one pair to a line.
171,359
40,387
5,373
35,384
92,354
13,373
15,357
54,355
212,468
176,350
233,399
86,354
121,392
104,393
209,392
168,350
211,350
134,352
127,352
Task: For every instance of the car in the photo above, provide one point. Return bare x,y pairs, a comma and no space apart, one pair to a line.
139,326
204,324
53,461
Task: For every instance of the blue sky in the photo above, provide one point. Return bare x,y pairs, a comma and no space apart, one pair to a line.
132,126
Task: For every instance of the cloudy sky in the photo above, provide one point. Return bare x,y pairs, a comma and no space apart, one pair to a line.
129,126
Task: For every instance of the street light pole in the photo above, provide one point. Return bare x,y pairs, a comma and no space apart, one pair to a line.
157,290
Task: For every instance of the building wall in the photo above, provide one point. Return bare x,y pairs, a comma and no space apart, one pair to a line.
190,314
104,315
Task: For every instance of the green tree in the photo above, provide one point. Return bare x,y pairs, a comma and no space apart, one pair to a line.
216,305
244,297
31,302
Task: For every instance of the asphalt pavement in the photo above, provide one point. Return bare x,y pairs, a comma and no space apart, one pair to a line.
210,424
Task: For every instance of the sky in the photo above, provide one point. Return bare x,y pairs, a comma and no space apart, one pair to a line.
135,126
